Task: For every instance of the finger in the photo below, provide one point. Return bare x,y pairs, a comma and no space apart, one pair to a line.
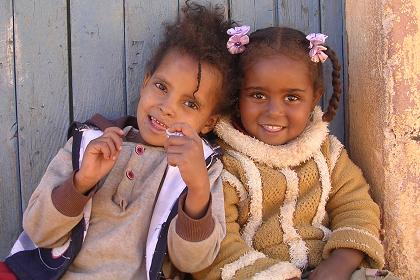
116,139
114,129
101,146
178,141
186,129
111,147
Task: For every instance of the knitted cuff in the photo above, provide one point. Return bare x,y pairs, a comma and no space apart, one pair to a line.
358,239
191,229
68,200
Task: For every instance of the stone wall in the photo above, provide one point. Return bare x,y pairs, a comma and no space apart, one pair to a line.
384,118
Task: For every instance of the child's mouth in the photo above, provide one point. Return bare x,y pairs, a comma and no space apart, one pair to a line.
157,124
272,128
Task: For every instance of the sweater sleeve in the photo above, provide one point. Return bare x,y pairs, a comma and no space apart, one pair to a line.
46,220
193,244
237,260
354,216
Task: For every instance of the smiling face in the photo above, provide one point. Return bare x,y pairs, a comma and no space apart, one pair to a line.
276,99
167,97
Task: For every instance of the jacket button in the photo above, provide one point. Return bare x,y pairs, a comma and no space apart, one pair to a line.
139,150
130,174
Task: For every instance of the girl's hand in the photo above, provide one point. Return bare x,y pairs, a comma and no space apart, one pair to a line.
98,159
339,266
186,152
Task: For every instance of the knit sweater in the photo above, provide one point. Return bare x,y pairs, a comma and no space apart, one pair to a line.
122,207
288,207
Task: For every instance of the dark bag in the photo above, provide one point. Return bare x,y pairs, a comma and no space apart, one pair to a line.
33,263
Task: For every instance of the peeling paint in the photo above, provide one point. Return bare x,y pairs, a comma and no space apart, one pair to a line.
9,54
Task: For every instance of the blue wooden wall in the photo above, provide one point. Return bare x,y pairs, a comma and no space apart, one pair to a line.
64,60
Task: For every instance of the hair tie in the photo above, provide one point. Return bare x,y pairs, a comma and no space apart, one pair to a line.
238,39
316,41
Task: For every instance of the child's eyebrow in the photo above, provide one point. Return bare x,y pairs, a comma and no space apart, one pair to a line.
254,88
162,79
296,90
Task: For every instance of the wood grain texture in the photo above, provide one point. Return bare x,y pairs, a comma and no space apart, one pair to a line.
332,25
143,30
41,86
300,14
257,14
97,48
10,202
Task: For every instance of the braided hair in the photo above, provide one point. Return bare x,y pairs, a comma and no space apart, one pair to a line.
293,43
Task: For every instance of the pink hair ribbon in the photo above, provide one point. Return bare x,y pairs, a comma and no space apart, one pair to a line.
238,39
316,41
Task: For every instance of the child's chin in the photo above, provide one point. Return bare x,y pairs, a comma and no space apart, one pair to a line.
274,142
153,140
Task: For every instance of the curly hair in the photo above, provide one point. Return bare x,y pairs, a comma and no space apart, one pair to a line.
200,32
293,43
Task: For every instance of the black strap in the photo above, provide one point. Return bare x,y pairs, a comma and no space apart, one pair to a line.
161,246
75,149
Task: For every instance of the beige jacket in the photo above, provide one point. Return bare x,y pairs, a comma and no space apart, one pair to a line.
288,207
122,206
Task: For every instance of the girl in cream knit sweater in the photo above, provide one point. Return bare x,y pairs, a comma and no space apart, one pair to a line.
296,205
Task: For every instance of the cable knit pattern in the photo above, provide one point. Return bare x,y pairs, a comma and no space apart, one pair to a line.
326,188
231,179
228,272
280,271
305,199
297,248
254,186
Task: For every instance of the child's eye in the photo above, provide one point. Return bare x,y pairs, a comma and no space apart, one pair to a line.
292,98
160,87
258,95
191,104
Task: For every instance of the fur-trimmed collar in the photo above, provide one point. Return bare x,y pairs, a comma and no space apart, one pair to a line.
291,154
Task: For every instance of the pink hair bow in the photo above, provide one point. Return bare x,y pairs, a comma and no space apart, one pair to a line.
316,41
238,39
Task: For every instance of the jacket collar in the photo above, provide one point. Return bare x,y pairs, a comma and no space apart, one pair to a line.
293,153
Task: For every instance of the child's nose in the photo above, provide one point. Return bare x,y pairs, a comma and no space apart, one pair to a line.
275,107
167,106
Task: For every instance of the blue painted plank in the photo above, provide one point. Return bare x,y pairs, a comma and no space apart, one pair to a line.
257,14
41,86
10,202
332,25
143,30
300,14
97,53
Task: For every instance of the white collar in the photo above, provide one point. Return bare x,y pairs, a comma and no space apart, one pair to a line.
293,153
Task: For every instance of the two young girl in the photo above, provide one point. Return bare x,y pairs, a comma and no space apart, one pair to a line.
294,201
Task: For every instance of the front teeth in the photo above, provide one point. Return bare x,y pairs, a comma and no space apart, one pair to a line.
273,128
158,122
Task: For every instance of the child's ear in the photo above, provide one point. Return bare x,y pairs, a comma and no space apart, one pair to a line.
146,78
210,123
